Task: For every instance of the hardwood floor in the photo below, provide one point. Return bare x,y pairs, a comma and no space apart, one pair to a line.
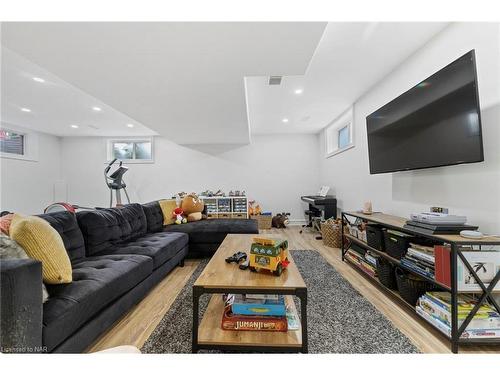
135,327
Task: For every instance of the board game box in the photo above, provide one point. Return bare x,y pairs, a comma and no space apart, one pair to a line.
234,322
242,305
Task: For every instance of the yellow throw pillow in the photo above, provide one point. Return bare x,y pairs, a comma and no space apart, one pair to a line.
43,243
167,207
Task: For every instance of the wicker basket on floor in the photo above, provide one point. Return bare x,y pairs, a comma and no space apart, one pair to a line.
263,221
331,231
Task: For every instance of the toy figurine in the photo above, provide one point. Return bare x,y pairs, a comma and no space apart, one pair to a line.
269,254
236,257
177,214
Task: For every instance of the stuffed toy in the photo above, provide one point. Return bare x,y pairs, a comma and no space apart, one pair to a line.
280,220
251,209
257,210
192,206
177,214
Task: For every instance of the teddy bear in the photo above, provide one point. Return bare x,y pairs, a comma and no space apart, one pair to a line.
280,220
192,206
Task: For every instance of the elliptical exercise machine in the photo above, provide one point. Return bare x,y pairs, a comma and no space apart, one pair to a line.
115,182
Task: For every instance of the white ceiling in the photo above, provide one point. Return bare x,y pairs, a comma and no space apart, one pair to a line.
56,105
195,83
350,58
182,80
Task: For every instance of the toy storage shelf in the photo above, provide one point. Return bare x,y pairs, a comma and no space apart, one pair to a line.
226,207
211,333
455,241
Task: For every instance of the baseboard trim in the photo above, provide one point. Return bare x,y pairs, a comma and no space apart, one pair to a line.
296,222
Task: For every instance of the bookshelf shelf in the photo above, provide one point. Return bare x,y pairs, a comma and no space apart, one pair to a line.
394,294
455,242
395,261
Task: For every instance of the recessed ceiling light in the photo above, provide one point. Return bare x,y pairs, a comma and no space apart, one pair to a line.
38,79
299,91
97,109
74,126
25,109
285,120
130,125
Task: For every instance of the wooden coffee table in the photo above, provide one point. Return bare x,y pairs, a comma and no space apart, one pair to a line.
219,278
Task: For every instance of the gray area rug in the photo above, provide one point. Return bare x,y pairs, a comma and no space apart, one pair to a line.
340,319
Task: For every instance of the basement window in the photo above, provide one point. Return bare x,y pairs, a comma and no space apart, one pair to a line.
12,142
339,134
131,150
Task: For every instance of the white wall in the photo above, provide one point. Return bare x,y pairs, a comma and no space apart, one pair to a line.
472,190
275,170
27,186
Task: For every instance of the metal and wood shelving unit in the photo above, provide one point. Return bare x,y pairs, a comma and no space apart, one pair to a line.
456,243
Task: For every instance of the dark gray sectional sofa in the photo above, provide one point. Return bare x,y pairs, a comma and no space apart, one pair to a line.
117,256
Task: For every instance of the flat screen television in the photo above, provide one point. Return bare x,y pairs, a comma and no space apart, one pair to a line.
435,123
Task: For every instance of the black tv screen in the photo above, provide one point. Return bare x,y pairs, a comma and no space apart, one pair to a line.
435,123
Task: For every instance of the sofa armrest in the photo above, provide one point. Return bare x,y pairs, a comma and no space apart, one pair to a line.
21,305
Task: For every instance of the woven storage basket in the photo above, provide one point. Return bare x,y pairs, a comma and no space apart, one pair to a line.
375,236
396,243
412,287
264,221
331,231
386,275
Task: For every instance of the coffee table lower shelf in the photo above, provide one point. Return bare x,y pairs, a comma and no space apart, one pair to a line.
211,336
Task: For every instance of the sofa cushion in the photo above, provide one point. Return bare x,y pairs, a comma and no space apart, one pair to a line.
65,224
167,208
214,230
97,282
42,242
100,229
154,216
103,228
134,215
160,246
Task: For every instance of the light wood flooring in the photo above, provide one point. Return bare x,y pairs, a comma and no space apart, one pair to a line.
136,326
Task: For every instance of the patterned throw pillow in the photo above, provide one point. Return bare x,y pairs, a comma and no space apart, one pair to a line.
5,223
10,249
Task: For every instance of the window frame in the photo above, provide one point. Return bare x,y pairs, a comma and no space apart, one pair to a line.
23,146
30,143
111,141
332,132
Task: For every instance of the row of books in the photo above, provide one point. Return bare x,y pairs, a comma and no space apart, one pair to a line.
420,259
367,262
258,312
435,307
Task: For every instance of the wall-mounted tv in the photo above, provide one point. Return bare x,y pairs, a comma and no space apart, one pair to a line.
435,123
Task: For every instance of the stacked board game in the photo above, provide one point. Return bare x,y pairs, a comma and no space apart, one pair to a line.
257,312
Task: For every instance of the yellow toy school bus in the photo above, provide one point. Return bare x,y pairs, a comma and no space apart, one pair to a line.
269,254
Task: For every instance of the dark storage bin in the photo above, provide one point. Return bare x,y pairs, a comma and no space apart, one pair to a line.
375,236
412,287
386,273
396,243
